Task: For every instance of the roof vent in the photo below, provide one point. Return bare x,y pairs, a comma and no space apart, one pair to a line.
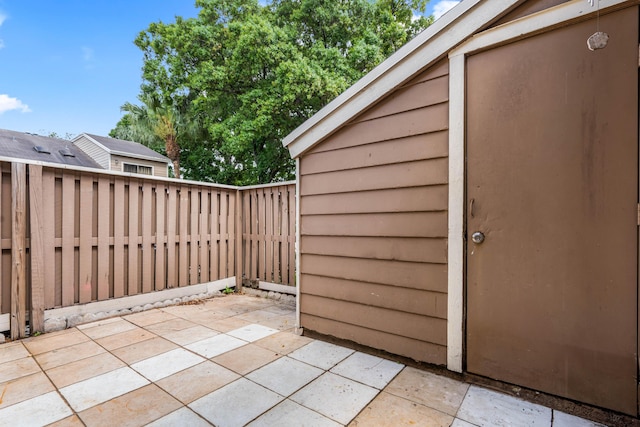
41,149
66,152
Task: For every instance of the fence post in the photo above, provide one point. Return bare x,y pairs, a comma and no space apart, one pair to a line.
238,226
36,249
18,255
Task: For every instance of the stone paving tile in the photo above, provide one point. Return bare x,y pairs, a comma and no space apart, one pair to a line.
487,408
253,332
55,341
290,414
166,364
282,309
281,323
24,388
136,408
84,369
72,421
181,417
236,404
18,368
229,324
190,335
338,398
367,369
146,318
54,358
101,388
561,419
321,354
111,328
283,342
99,323
123,339
285,376
143,350
13,351
38,411
257,316
207,319
169,327
461,423
214,346
246,358
434,391
188,385
387,410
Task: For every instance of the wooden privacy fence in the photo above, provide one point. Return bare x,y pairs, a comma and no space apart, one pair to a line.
73,236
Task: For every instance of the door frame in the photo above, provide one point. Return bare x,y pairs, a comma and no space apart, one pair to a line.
546,20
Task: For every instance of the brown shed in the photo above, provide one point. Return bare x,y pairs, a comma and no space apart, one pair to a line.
473,201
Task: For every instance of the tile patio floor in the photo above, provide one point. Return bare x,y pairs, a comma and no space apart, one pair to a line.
232,361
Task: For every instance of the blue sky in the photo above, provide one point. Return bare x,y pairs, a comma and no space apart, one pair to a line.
66,66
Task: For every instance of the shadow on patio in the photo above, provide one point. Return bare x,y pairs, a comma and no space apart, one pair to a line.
231,361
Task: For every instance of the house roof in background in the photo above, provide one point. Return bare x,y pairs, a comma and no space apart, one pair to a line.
20,145
120,147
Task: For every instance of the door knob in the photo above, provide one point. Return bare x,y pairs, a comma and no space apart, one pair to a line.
477,237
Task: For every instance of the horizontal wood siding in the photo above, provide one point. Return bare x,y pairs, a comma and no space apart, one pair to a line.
100,155
373,201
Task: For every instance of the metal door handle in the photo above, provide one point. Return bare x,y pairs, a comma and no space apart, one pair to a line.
472,203
477,237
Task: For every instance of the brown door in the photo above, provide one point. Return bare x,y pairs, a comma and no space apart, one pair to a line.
552,183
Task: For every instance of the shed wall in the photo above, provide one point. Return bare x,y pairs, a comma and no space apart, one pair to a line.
373,200
98,154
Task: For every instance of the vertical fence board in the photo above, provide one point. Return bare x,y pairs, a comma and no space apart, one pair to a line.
183,267
118,238
134,194
68,239
277,231
172,211
238,241
160,235
147,243
215,236
48,235
246,233
268,235
291,238
36,248
193,236
204,234
104,212
18,250
254,235
86,221
262,227
224,233
231,233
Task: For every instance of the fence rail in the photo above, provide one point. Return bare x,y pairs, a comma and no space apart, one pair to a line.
76,236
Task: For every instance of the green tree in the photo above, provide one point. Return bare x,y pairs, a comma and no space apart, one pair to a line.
251,74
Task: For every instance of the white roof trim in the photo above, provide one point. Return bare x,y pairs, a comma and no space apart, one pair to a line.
425,49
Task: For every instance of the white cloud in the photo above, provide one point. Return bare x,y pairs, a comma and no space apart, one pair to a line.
442,7
7,104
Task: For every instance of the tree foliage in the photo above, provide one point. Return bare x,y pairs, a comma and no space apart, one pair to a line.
246,75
